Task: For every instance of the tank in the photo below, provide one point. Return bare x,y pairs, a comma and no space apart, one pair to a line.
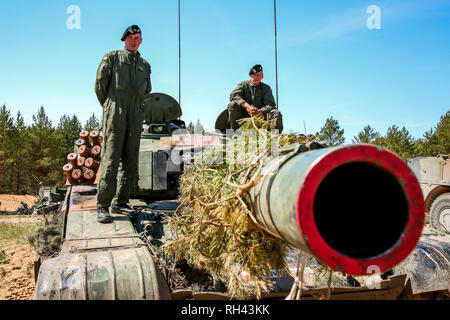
433,174
330,202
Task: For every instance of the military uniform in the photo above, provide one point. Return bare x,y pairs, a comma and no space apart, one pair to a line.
123,78
260,96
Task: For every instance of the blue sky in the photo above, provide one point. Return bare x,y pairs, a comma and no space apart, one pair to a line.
329,62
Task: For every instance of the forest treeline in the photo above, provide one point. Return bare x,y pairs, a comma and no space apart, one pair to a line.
34,154
435,141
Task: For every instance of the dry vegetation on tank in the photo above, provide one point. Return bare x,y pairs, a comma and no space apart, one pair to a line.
214,225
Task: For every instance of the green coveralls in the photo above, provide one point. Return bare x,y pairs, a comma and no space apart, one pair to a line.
122,80
260,96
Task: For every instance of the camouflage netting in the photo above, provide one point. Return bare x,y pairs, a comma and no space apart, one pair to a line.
214,228
46,241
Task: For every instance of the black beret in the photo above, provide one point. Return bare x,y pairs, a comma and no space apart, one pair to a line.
131,30
255,69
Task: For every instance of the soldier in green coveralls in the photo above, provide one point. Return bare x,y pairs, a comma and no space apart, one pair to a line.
253,97
123,78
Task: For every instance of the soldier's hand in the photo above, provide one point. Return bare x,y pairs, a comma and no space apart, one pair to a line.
257,112
251,109
254,110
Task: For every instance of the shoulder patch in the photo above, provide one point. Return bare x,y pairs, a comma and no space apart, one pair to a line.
105,58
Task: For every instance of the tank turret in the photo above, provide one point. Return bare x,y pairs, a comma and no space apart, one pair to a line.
158,174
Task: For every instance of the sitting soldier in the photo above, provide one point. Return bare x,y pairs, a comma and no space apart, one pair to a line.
251,98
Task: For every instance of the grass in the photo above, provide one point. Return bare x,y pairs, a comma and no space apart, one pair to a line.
21,216
17,232
3,258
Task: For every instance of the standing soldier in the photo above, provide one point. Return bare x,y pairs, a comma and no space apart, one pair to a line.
123,78
253,97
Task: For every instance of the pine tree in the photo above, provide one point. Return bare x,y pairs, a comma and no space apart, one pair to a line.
190,128
44,150
21,160
436,141
399,141
69,131
6,124
331,132
199,128
366,136
92,123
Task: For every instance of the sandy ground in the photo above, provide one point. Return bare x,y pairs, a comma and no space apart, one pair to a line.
17,275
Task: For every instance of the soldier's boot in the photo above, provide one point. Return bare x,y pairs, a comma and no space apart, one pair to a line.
103,215
276,120
123,209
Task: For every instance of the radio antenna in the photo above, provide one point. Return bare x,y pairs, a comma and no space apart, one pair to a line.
179,54
276,49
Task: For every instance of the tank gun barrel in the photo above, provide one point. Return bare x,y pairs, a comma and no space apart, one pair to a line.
358,208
